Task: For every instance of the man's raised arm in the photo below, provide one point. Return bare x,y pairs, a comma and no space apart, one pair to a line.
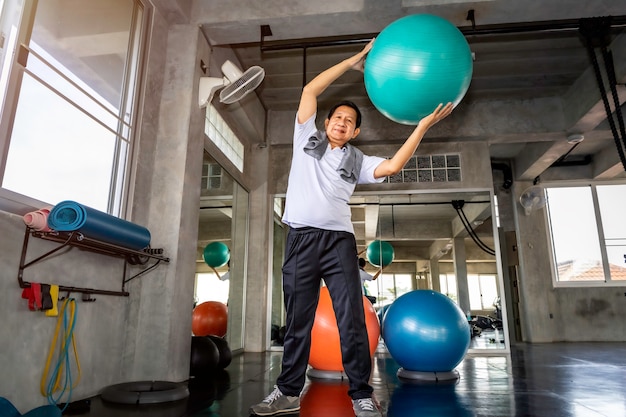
315,87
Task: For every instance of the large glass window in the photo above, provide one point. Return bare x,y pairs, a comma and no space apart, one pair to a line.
588,233
69,79
612,205
447,286
211,288
218,131
391,286
483,291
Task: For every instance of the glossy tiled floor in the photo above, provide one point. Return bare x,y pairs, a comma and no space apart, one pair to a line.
555,380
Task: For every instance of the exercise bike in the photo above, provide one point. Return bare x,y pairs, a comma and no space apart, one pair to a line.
490,322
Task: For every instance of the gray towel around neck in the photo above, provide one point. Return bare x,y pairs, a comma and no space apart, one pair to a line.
350,165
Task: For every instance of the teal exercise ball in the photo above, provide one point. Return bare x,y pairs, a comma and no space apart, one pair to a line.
417,62
216,254
380,253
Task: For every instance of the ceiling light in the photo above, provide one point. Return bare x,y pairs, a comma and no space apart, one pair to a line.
575,138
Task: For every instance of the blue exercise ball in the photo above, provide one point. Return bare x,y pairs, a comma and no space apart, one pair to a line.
417,62
426,331
428,400
381,312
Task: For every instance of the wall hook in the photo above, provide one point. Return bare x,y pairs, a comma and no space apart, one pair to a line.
87,298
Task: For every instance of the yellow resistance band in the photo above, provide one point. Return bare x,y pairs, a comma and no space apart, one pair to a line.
62,353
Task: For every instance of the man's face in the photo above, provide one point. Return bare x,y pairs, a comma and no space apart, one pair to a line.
341,127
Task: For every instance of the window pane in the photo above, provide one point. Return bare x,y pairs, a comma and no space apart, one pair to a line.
210,288
70,134
482,291
574,234
488,290
90,39
443,283
447,286
9,21
612,201
473,285
403,284
386,289
54,160
218,131
86,99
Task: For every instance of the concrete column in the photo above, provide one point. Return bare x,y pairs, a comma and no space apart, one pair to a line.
238,267
159,320
460,271
434,274
260,232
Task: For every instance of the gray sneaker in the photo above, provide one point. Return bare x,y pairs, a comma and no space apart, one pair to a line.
365,407
276,403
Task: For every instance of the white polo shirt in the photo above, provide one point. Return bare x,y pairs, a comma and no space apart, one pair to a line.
317,196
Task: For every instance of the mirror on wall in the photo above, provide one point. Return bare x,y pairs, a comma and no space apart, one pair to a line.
223,219
441,241
277,312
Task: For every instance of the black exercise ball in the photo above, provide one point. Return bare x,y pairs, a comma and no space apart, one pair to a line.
225,355
205,356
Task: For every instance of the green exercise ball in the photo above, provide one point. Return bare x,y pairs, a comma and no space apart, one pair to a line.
380,253
216,254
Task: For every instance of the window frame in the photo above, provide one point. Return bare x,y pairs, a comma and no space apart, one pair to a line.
121,189
210,175
599,227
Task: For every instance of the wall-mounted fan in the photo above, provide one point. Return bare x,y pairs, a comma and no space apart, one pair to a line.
235,85
532,198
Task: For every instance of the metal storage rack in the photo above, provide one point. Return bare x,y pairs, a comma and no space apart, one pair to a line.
78,240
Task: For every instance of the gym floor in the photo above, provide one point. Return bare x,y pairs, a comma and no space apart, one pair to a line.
556,380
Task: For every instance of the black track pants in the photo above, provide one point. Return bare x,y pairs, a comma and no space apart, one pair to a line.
312,254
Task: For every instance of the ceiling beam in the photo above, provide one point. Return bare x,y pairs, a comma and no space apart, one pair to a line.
546,26
371,222
537,157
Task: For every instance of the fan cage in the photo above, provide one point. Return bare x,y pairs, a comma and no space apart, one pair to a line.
244,85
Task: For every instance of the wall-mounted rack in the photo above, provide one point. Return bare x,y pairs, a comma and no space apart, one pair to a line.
78,240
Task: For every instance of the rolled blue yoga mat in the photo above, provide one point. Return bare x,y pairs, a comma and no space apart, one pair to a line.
69,216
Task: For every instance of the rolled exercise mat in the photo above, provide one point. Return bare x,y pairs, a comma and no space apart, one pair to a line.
38,220
69,216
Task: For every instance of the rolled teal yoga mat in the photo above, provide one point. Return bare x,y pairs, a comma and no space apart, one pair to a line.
69,216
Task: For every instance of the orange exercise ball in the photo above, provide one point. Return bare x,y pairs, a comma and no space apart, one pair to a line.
326,399
325,347
209,319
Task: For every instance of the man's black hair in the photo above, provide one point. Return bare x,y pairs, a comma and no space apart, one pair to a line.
349,104
362,262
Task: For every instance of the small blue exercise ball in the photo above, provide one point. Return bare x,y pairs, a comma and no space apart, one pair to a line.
426,331
417,62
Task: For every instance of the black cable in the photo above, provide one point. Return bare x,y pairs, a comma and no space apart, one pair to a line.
458,206
591,29
610,70
474,236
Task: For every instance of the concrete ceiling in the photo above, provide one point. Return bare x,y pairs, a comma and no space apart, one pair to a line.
532,87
